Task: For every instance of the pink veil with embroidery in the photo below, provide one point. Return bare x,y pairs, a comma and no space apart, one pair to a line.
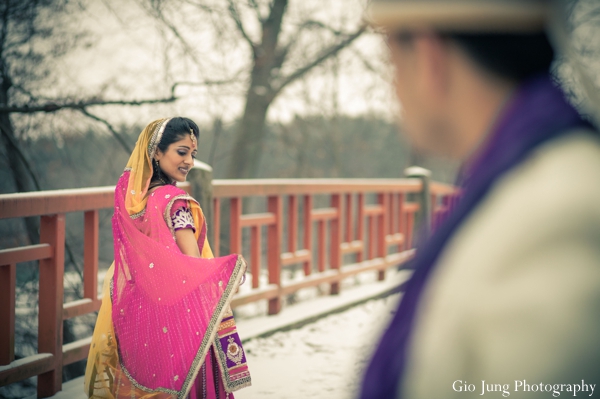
164,308
164,303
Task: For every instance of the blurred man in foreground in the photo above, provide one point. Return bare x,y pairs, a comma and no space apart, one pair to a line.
505,298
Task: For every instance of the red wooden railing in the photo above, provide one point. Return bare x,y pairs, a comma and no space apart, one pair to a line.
389,223
352,225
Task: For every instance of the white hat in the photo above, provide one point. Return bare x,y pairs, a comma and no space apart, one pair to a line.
462,16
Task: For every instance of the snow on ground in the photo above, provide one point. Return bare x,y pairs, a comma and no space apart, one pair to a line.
324,359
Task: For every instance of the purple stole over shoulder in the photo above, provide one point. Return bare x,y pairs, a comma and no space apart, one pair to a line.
537,113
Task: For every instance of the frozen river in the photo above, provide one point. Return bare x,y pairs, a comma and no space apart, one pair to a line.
324,359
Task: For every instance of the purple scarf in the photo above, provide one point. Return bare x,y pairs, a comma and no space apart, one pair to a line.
537,113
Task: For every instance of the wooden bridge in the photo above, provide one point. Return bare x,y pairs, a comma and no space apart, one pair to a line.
370,220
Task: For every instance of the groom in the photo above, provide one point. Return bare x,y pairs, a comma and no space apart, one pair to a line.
508,287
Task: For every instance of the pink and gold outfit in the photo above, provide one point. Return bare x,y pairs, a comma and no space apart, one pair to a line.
165,328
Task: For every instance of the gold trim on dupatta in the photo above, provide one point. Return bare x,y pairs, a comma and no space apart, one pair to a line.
222,307
140,167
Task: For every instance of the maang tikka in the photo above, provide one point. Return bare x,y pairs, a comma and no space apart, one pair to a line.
193,137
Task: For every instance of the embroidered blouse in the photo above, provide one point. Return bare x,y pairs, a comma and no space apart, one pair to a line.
181,216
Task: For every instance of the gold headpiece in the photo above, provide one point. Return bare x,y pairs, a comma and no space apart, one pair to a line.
193,137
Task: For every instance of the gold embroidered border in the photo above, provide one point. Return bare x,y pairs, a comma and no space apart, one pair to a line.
230,385
155,139
138,215
227,324
228,313
209,336
167,212
228,334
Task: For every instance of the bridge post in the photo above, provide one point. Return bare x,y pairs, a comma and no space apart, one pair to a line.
50,315
200,178
274,233
8,281
382,219
335,241
423,198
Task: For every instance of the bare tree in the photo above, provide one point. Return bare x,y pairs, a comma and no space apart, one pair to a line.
26,56
267,81
18,59
31,39
276,59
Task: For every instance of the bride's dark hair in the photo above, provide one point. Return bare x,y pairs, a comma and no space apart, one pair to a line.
176,129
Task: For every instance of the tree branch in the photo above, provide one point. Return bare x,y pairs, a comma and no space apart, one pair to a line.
79,105
206,83
201,6
25,91
238,23
116,134
4,31
188,49
256,7
368,64
21,155
312,22
282,51
326,53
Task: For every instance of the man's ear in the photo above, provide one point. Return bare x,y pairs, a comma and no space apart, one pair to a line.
434,66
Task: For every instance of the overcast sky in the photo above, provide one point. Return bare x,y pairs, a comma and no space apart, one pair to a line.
131,55
128,54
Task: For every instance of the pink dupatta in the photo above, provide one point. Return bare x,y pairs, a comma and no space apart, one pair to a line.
165,316
167,306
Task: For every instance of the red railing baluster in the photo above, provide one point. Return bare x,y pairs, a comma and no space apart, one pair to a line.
8,279
410,221
349,222
382,224
360,226
401,222
255,252
308,206
235,233
216,227
372,239
50,332
292,223
321,242
389,223
274,205
390,212
90,255
335,240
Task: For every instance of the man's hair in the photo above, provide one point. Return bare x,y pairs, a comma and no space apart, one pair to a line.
510,56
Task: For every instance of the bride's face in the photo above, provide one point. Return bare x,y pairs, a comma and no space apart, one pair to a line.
178,159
